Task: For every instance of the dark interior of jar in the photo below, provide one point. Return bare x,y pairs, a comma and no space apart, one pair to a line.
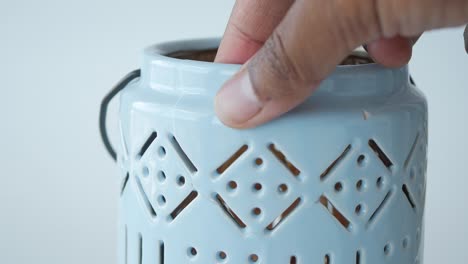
356,58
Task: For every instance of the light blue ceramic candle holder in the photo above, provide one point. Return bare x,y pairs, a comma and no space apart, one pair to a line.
339,180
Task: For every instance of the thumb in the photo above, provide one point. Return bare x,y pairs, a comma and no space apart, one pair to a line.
304,48
310,41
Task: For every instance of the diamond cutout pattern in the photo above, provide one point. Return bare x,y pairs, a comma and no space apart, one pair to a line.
258,189
358,177
160,169
269,184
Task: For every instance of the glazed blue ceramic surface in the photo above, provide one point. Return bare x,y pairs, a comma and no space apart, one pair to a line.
341,179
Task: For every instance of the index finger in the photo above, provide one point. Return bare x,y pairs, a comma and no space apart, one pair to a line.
250,25
308,44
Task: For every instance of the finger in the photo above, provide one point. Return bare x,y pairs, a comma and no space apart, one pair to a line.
308,44
250,25
304,48
391,52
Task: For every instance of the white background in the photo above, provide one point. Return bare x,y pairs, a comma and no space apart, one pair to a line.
59,189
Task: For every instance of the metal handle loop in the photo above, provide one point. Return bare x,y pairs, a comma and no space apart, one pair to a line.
105,104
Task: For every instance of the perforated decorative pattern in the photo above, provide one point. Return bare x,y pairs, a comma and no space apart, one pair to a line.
259,198
329,183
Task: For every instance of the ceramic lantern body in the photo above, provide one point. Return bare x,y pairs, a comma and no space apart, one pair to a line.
341,179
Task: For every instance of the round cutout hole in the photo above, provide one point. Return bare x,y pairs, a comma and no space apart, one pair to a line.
181,180
258,161
338,187
257,186
253,258
161,200
282,188
359,210
256,211
232,185
162,152
222,255
145,171
361,159
380,182
388,249
192,252
161,176
360,185
405,243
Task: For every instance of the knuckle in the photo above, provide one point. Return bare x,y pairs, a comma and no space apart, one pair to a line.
409,18
274,72
355,21
392,15
245,34
280,61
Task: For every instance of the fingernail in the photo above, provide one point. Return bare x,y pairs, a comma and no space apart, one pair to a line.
236,102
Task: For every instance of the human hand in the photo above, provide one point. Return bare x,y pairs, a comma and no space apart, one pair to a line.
290,46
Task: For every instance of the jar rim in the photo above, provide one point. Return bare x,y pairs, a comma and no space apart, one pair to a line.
164,49
161,70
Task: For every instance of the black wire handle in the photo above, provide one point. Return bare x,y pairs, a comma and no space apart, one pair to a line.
105,104
465,36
